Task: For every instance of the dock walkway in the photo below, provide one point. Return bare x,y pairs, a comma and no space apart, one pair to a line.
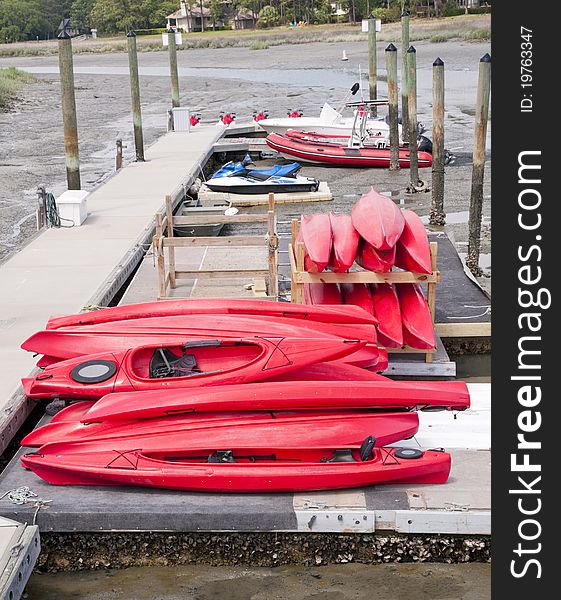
63,269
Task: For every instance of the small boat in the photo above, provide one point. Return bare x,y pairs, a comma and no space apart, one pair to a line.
313,148
215,306
262,184
378,220
243,466
345,243
383,394
231,169
378,261
348,427
358,294
418,328
315,233
183,365
388,312
209,229
412,248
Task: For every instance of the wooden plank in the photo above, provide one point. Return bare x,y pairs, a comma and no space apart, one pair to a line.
366,277
463,329
234,240
260,287
431,289
440,521
171,252
421,369
218,274
205,219
409,350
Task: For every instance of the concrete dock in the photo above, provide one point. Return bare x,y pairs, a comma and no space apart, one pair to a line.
63,269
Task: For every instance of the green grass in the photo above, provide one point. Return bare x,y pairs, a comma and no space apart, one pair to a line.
476,35
257,45
11,82
439,38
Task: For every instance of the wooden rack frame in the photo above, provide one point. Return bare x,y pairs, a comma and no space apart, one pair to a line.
164,238
299,276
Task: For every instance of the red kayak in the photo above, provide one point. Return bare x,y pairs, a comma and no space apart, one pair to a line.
418,329
412,248
378,220
304,427
315,232
212,306
242,467
345,243
322,293
288,395
378,261
317,149
388,312
116,336
192,364
357,294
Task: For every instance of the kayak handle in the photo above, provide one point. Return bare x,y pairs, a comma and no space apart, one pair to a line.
202,344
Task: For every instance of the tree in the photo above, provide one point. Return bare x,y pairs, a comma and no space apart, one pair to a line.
268,17
215,7
80,13
21,20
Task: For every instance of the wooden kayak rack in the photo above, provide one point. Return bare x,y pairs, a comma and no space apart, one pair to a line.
299,276
164,238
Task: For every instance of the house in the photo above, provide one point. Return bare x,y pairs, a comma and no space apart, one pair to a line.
197,18
243,19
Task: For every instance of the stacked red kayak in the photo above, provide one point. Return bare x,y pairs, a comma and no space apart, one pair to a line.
378,236
164,404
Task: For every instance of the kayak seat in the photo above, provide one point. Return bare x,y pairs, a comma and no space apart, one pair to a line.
222,456
164,363
342,456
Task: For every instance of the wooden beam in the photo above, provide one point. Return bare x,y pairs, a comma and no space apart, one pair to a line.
451,330
366,277
206,219
431,289
219,274
234,240
171,254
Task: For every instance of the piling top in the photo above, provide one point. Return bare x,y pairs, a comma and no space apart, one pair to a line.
485,58
171,30
411,49
64,35
405,13
131,33
438,62
391,48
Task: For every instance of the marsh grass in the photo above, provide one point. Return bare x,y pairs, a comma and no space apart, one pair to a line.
11,82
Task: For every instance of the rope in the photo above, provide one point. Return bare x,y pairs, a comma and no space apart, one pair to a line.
23,495
51,212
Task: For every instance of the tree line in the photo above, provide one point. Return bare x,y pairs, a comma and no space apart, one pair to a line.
39,19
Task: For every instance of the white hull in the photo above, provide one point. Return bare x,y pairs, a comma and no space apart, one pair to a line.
315,125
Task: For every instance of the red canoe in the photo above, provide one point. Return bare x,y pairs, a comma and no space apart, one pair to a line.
388,313
322,293
288,395
378,261
418,329
192,364
345,243
315,232
242,467
378,220
357,294
116,336
412,248
346,427
212,306
313,148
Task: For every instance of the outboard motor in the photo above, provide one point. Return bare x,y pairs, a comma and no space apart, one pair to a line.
424,144
260,116
195,119
295,114
227,118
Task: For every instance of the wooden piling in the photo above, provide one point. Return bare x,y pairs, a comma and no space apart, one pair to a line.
404,82
135,96
391,68
68,103
372,64
478,172
172,47
118,154
437,214
411,63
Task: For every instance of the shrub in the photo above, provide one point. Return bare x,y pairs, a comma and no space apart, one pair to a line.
439,38
257,45
451,9
388,15
268,17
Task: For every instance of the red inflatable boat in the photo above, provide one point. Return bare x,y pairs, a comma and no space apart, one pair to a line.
191,364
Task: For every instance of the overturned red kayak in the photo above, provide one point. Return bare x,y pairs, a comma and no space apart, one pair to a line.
317,149
286,395
418,329
116,336
345,243
241,467
378,220
304,427
412,248
357,294
212,306
322,293
315,232
333,371
192,364
388,312
378,261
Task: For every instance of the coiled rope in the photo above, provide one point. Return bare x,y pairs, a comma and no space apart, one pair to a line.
51,212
